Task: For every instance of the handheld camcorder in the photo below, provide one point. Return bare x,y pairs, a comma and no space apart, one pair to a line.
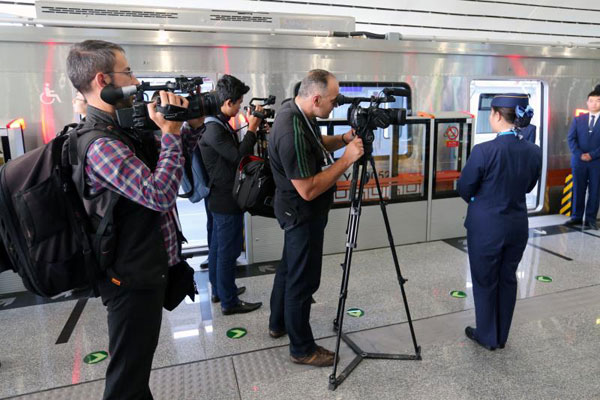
261,138
136,117
365,120
267,112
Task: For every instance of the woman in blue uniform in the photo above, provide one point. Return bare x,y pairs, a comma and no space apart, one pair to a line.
494,182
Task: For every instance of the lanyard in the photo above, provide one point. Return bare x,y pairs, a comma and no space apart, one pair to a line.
327,159
511,132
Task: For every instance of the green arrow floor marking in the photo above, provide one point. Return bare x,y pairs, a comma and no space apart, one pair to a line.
95,357
458,294
236,333
355,312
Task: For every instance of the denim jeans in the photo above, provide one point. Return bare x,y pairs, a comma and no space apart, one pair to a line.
225,248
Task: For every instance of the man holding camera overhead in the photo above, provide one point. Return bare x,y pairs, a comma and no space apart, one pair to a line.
303,197
221,152
126,169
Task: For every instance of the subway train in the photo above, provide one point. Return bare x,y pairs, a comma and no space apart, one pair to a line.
451,84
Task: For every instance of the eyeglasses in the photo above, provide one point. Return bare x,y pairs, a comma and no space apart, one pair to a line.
128,73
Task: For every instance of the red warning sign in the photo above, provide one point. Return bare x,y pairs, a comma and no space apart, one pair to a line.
451,135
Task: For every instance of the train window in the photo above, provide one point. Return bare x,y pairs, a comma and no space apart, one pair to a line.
483,115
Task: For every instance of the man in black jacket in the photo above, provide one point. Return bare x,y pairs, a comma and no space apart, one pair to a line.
221,152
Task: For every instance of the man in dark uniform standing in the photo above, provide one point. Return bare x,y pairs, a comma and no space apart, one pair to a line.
584,142
303,197
494,182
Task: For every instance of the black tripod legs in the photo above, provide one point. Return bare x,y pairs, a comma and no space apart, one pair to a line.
356,194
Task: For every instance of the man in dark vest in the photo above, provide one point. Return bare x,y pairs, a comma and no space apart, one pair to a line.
584,142
143,172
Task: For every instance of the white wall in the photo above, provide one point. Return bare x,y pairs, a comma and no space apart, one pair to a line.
549,21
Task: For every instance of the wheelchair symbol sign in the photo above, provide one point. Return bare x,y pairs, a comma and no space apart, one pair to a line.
48,96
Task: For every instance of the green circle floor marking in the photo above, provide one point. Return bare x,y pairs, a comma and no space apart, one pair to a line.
236,333
95,357
355,312
458,294
543,278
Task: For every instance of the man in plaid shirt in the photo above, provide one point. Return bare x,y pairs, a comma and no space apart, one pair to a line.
146,178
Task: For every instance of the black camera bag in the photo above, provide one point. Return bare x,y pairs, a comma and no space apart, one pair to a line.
254,186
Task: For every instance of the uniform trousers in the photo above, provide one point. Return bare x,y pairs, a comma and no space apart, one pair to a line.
586,176
494,261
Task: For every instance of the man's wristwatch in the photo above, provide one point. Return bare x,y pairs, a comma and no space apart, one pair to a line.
344,140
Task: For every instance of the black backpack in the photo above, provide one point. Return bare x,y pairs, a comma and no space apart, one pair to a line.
44,229
254,186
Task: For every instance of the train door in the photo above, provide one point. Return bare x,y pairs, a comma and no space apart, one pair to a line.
451,141
481,94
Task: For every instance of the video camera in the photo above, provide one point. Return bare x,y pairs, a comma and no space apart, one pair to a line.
261,138
267,112
366,120
200,104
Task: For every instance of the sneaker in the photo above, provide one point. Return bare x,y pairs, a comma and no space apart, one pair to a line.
241,308
319,358
215,299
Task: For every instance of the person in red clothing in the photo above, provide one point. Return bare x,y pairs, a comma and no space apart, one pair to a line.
144,178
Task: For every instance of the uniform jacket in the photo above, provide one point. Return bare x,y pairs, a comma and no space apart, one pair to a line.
580,141
494,182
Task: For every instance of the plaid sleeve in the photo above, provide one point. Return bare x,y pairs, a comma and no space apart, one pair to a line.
191,137
111,165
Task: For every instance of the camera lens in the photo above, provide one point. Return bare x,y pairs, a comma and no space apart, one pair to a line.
208,104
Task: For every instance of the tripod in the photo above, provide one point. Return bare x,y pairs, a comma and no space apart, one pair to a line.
360,168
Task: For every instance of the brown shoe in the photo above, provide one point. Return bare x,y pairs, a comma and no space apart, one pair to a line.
317,359
329,353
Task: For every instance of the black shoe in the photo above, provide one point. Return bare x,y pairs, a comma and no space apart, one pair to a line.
215,299
204,264
590,225
241,308
277,334
470,332
501,346
573,222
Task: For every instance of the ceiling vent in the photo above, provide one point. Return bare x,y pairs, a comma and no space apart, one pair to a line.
179,17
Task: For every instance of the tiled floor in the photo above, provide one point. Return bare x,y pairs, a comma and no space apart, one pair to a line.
551,354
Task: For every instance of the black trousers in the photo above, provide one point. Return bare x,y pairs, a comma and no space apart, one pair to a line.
297,278
134,318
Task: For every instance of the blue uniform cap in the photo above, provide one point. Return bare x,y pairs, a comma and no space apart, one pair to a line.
510,100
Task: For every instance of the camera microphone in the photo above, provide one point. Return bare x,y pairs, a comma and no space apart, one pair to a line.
111,94
396,92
